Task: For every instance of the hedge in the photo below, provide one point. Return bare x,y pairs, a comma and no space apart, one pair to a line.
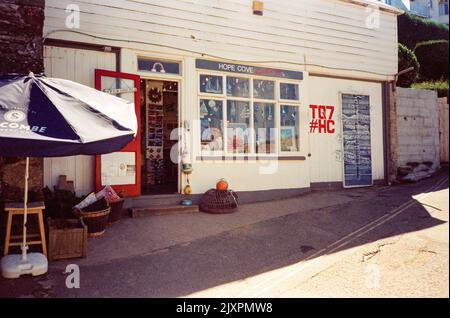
440,86
406,59
433,58
428,40
413,30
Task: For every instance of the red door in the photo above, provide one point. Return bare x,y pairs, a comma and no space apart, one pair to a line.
121,170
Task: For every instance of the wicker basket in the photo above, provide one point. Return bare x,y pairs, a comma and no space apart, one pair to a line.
116,210
219,202
67,238
95,216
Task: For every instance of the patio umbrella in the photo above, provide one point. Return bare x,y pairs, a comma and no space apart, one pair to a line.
49,117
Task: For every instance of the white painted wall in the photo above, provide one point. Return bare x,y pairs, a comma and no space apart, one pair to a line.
330,33
76,65
329,36
326,149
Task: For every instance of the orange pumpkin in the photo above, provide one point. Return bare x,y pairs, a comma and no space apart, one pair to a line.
222,185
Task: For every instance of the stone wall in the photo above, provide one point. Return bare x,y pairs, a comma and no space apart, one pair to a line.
417,127
21,24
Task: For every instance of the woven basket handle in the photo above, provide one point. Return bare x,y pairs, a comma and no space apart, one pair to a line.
77,212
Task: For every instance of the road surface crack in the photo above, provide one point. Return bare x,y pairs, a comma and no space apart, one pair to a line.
367,256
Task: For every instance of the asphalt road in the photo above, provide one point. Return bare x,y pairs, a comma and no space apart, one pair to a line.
394,244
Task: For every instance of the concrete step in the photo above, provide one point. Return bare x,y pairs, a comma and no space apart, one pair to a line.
153,210
164,199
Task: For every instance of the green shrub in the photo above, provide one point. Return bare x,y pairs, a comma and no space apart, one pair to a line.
440,86
433,58
413,30
406,59
428,40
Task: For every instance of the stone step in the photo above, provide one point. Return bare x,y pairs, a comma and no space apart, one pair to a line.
153,210
151,200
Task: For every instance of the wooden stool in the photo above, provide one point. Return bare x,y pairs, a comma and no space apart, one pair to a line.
17,209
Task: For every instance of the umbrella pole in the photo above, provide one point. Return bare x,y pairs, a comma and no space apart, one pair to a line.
25,208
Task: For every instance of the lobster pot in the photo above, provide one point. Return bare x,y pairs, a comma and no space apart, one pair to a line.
219,202
116,210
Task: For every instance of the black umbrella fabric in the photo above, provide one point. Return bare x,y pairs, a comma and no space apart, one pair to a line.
49,117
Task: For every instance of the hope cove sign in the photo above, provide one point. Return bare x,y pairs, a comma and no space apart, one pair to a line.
247,69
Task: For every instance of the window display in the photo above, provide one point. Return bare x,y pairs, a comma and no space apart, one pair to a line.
263,89
289,91
238,87
289,120
237,126
264,123
262,115
211,84
211,121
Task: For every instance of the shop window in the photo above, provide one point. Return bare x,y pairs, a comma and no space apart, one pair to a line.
238,87
263,89
264,125
289,128
243,115
238,125
211,120
211,84
289,91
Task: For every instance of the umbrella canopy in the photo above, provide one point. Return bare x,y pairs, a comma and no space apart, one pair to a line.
49,117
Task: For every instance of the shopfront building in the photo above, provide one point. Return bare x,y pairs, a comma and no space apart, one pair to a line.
278,103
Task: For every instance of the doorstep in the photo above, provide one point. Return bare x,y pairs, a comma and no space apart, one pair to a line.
163,204
154,210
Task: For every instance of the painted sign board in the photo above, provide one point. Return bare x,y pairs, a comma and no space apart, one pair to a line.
156,66
357,163
117,91
247,69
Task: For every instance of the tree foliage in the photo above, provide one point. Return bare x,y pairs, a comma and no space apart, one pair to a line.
407,59
426,42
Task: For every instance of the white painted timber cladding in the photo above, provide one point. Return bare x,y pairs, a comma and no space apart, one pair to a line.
326,149
76,65
320,36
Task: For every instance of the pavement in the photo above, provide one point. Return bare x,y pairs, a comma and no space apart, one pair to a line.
366,242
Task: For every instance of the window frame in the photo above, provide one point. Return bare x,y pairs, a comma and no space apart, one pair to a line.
286,153
277,101
213,152
296,101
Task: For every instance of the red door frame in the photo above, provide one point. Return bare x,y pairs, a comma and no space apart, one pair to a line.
129,190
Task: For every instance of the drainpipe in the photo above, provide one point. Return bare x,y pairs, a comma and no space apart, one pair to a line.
385,88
